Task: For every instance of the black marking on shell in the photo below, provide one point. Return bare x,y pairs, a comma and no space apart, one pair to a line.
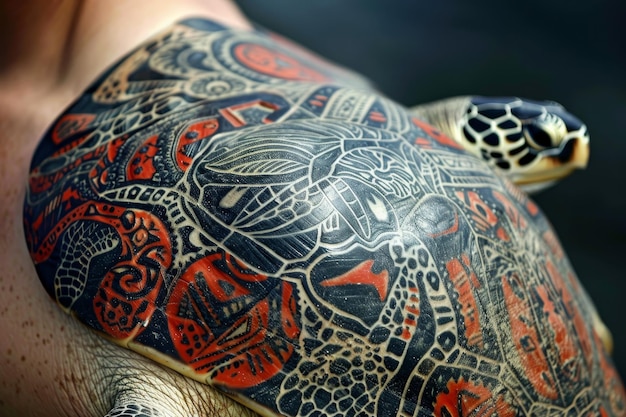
478,125
493,113
468,135
492,139
527,159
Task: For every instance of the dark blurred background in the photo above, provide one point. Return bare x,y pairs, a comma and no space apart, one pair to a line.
572,52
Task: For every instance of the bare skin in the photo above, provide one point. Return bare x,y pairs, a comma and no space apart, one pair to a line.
37,81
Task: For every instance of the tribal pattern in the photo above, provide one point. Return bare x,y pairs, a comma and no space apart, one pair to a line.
263,222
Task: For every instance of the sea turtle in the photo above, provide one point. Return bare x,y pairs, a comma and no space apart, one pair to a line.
264,222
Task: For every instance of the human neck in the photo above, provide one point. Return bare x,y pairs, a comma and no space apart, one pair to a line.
33,34
60,46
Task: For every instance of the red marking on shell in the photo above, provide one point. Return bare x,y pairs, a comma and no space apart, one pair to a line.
436,134
45,247
526,340
573,312
465,282
221,327
465,398
274,64
532,208
40,182
69,195
378,117
482,214
362,275
413,309
235,115
423,143
517,220
502,234
564,343
69,125
107,158
410,322
614,388
451,230
289,310
141,165
193,133
553,243
127,295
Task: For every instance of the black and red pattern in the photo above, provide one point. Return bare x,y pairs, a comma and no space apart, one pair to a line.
310,248
212,335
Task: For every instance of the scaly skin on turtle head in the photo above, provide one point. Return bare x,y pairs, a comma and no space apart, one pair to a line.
239,212
533,143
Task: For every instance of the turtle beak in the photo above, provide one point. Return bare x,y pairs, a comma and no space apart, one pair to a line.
557,163
573,152
580,156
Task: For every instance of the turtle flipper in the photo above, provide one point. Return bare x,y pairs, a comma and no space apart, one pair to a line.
533,143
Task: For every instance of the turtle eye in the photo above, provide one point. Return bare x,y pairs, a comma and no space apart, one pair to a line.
537,137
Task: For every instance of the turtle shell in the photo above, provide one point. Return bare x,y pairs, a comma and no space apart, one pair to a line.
217,202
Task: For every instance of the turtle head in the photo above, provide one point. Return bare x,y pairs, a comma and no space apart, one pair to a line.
533,143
